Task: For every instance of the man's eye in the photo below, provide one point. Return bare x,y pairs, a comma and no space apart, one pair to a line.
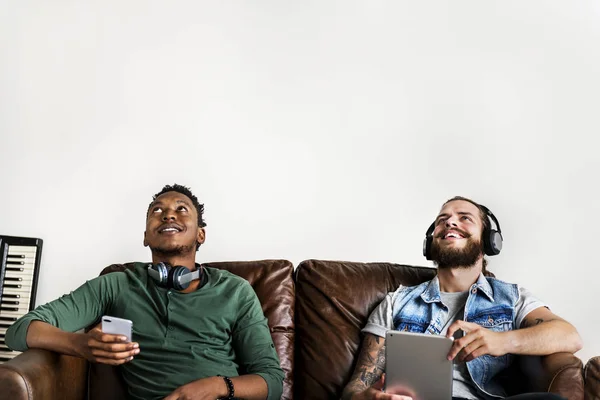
182,208
157,209
467,218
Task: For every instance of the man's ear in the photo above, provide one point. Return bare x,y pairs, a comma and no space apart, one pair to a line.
201,235
145,241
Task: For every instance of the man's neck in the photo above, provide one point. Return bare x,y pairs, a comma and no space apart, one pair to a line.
458,279
180,260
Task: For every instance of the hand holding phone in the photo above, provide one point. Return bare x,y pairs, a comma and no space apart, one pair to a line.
117,326
109,342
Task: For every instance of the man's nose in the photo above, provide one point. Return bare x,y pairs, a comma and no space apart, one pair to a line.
451,221
168,215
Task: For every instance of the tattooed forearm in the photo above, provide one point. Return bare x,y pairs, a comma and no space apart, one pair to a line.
371,373
380,362
369,367
368,377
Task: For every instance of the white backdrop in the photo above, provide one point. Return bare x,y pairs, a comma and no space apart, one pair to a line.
314,129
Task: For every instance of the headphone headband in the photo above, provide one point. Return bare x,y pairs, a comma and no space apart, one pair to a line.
492,217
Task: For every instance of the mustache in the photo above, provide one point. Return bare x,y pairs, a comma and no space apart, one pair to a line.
462,233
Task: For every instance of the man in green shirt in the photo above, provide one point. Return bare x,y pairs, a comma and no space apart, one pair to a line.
201,339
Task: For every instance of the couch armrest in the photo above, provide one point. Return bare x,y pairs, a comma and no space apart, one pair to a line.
43,375
592,379
560,373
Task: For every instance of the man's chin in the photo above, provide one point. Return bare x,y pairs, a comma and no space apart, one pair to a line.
450,266
456,259
465,256
171,251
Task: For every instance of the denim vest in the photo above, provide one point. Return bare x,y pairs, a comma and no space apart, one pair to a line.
491,304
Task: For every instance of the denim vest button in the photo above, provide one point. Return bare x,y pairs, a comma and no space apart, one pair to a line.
474,291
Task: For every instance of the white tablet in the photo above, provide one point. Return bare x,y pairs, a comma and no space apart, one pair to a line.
417,363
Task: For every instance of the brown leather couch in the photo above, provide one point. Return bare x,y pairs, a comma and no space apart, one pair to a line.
592,379
315,316
333,302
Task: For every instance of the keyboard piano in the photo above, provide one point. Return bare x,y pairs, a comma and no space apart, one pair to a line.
19,268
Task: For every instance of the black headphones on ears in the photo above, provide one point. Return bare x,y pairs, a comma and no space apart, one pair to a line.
492,237
177,277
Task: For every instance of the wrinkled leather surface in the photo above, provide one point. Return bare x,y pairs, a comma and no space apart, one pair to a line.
273,283
43,375
563,371
560,373
592,379
333,302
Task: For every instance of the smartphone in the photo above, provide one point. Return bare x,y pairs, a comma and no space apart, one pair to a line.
117,326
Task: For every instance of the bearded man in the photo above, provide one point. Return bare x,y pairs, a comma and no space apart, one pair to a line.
452,303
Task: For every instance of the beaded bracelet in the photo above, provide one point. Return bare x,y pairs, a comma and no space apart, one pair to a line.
229,384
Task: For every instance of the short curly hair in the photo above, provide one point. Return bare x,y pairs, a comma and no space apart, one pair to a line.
186,192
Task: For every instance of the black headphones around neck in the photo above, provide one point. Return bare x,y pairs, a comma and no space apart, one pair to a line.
492,238
177,277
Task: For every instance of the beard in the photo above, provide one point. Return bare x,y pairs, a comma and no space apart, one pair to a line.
457,258
172,251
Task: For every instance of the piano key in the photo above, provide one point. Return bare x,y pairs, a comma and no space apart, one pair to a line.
22,278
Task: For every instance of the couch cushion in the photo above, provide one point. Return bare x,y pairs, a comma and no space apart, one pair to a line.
334,300
592,379
273,283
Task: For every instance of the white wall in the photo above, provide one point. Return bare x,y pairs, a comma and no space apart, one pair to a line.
314,129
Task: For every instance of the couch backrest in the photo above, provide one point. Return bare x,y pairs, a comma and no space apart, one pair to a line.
592,379
273,283
334,300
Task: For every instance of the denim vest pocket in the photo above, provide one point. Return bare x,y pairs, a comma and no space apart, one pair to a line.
408,325
498,319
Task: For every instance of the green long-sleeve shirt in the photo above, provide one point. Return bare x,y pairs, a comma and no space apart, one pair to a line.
217,329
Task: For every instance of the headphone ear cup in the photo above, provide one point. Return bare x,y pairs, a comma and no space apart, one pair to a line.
175,276
428,241
493,244
160,273
427,246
